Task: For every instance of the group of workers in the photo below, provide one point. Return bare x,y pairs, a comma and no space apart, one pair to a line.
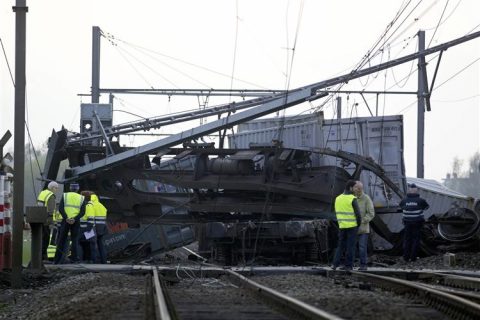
80,221
354,210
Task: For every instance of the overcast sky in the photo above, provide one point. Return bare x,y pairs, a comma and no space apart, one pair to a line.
331,37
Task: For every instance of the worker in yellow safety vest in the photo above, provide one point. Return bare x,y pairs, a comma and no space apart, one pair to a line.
347,213
87,239
72,209
55,230
100,222
47,198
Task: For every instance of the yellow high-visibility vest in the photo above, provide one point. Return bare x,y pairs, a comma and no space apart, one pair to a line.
44,196
344,211
89,214
72,202
100,210
57,217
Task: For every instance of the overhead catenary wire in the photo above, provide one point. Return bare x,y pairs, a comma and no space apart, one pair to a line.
445,20
373,51
441,22
279,130
234,48
438,24
386,44
148,67
135,69
415,20
457,73
397,83
458,100
405,78
113,38
443,83
130,113
30,146
234,60
8,64
186,75
129,105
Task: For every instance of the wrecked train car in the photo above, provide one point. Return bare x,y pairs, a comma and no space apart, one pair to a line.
453,223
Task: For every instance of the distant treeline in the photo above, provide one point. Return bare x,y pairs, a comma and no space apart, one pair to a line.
465,181
34,165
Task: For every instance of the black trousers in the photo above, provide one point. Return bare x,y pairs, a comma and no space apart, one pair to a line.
411,242
62,244
45,240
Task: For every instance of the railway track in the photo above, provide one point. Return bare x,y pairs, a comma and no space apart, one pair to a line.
455,304
202,291
466,286
232,296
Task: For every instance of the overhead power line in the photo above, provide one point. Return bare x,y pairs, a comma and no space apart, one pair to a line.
438,24
114,40
8,64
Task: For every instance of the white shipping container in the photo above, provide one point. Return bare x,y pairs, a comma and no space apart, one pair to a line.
380,138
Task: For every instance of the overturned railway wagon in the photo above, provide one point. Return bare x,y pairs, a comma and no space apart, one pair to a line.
453,219
268,196
376,138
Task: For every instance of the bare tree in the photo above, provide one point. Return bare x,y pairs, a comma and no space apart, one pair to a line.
468,181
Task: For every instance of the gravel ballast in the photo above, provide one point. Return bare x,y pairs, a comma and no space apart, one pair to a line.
343,298
80,296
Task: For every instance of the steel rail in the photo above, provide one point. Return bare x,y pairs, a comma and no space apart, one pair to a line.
458,281
446,278
163,310
447,303
462,294
283,300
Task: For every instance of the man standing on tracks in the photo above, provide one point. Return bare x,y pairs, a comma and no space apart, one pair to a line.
47,198
348,218
72,208
367,213
412,206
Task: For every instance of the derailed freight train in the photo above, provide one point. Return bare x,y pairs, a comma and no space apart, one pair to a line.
266,200
296,181
453,219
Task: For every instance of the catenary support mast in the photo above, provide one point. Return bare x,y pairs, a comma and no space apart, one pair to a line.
20,10
421,95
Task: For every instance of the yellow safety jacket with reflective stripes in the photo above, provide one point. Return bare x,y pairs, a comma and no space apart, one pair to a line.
42,199
52,246
89,216
344,211
100,216
72,202
44,196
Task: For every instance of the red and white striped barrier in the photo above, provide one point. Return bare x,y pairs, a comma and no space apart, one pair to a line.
7,223
2,215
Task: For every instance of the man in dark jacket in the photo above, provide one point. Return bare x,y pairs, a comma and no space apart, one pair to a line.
413,219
